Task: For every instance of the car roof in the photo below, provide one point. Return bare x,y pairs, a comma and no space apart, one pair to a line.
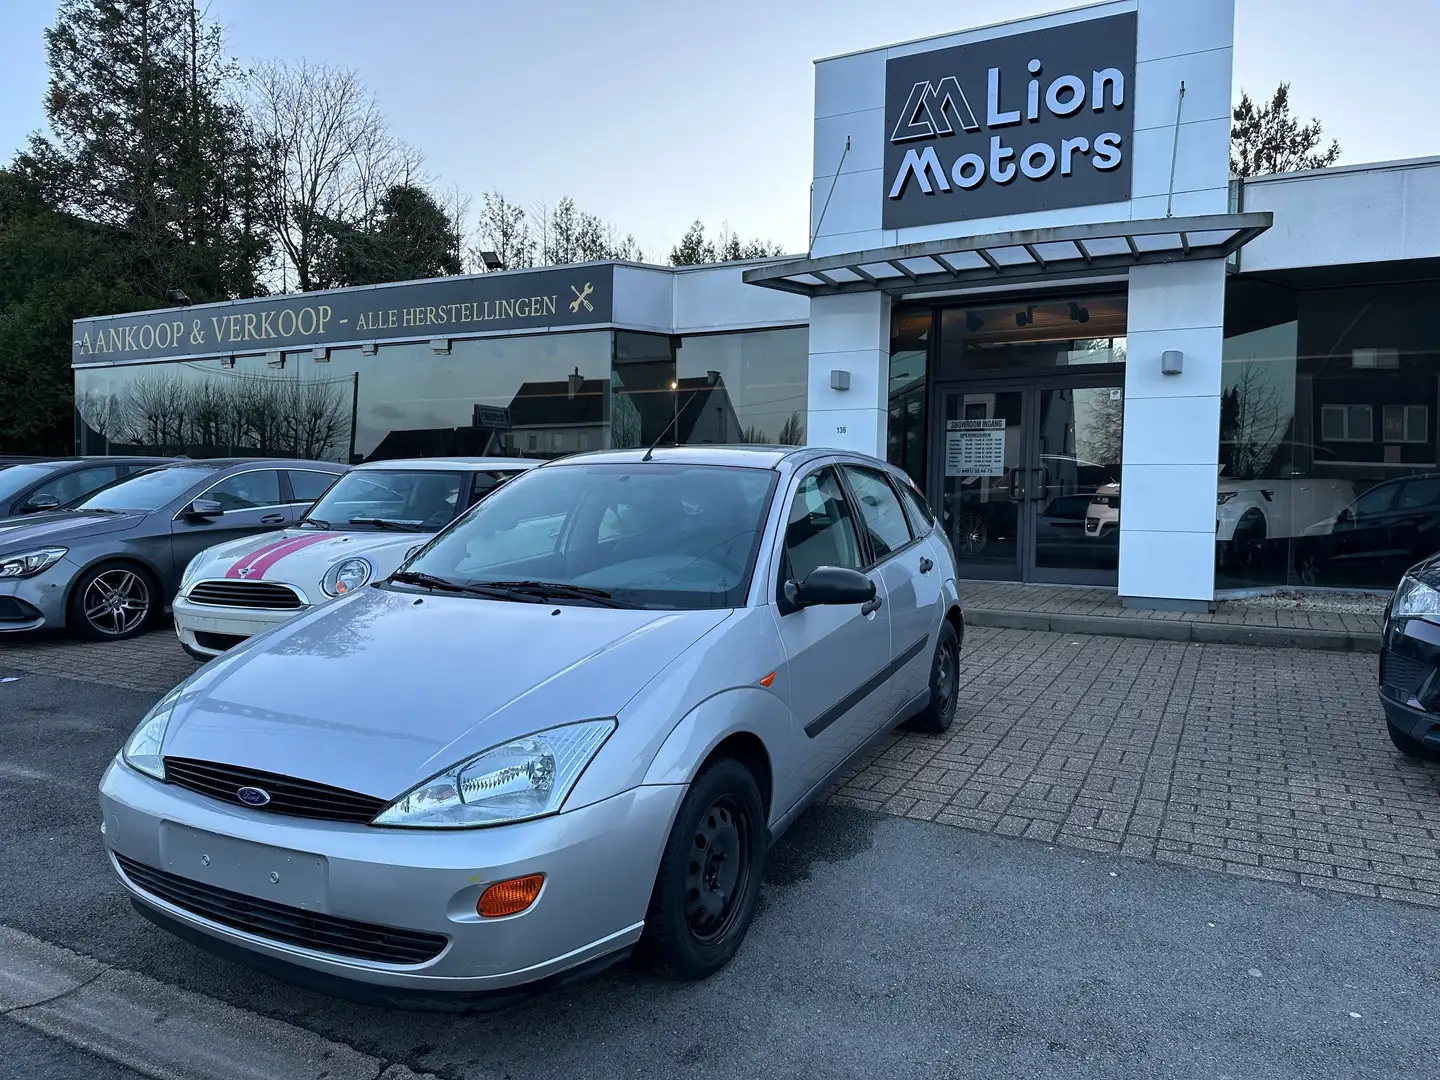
105,459
253,463
449,463
745,455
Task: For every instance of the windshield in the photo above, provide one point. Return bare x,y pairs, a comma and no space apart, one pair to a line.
648,535
18,477
423,498
147,490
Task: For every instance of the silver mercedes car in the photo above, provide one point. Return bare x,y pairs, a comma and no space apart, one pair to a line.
567,728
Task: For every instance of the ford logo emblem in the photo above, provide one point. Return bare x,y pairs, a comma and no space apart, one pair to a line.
253,796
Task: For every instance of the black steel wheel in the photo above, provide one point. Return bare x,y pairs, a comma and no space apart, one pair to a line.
709,877
939,714
112,602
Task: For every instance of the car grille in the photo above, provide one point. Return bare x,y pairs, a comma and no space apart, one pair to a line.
295,798
1092,523
277,922
15,610
246,594
1400,675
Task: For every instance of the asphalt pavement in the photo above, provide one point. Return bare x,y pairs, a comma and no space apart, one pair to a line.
882,944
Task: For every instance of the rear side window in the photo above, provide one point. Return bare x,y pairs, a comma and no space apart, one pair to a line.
880,511
308,486
1418,494
486,482
247,491
921,518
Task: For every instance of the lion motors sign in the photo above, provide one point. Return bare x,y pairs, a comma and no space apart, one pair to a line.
1037,121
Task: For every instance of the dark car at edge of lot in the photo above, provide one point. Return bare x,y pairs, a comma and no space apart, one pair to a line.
33,486
106,565
1410,662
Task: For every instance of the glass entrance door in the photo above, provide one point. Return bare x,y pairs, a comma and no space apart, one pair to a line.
1029,480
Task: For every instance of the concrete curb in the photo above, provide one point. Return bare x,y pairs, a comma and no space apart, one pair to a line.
1210,633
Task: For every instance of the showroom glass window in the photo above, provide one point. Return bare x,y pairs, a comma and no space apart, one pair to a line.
538,396
749,387
1330,388
911,332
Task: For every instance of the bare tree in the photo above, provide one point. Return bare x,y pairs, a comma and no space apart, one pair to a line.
1253,421
333,158
504,228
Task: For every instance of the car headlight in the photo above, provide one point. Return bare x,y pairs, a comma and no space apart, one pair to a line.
523,779
1222,497
1414,598
188,578
30,563
142,749
346,577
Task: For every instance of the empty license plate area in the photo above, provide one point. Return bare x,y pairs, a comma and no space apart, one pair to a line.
292,878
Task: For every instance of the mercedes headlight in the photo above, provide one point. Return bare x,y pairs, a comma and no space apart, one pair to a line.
346,577
142,749
1414,598
523,779
30,563
188,578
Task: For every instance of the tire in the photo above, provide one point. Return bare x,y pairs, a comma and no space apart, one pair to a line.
971,535
1307,564
939,714
1248,544
1408,745
687,936
113,602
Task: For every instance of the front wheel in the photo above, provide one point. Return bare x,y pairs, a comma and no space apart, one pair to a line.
709,879
113,602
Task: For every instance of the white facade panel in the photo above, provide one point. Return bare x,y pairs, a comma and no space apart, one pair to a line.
850,84
717,298
644,298
1172,431
1202,160
1206,76
1167,565
1169,498
866,132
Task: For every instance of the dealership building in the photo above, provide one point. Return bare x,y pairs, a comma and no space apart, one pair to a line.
1032,283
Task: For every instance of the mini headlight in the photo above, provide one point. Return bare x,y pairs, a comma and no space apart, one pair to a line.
346,577
30,563
142,749
526,778
187,578
1414,598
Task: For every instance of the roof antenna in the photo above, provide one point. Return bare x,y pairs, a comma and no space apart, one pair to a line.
673,421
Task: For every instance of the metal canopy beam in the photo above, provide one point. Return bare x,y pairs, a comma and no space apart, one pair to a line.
1234,230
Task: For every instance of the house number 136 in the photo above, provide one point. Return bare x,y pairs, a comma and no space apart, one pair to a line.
840,430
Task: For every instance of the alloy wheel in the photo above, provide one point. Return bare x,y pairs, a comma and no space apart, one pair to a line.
117,602
718,871
971,535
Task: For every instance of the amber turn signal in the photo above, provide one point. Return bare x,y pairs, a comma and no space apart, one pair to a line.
509,897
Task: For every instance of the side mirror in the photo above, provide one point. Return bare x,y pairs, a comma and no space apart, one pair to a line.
831,586
203,510
39,503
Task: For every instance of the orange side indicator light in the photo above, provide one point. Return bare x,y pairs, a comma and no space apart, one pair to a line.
768,679
509,897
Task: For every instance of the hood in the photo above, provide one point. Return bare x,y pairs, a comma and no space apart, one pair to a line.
56,526
300,556
381,690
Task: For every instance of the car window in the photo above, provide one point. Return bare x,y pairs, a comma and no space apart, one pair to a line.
652,535
922,519
487,481
307,485
819,530
148,490
247,490
17,478
880,511
420,497
73,485
1419,494
1375,501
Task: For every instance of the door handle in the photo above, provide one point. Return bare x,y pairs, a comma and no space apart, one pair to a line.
273,519
926,566
871,606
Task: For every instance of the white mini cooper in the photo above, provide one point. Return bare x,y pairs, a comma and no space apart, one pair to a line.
361,529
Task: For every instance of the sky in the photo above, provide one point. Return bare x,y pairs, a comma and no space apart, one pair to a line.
652,113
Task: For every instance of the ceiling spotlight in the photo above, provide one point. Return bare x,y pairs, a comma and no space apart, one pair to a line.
1078,313
1026,317
973,322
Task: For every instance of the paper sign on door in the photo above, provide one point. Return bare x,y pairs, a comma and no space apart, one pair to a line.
975,448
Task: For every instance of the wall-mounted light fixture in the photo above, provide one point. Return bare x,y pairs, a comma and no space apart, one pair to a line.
1078,313
369,348
276,359
440,346
1172,362
1026,317
320,355
839,379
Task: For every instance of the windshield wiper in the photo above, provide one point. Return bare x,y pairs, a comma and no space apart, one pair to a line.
558,590
440,584
318,523
387,523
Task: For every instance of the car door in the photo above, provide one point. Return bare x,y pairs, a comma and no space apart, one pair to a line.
1361,538
835,657
1412,533
912,585
249,503
65,486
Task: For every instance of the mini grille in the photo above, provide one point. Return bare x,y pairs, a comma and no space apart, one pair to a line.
245,594
277,922
1400,675
296,798
217,641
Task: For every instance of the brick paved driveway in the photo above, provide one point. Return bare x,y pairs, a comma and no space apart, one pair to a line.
1267,763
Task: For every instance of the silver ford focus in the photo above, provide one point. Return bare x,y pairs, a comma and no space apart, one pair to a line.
566,729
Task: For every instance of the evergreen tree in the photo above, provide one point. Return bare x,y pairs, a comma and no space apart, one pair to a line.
1267,139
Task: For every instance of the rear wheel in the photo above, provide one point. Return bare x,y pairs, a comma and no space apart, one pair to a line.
112,602
709,879
1307,564
939,714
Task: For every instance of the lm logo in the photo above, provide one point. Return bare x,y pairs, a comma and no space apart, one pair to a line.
933,109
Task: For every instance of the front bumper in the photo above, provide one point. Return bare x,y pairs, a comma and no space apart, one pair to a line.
208,630
1410,678
36,603
600,863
